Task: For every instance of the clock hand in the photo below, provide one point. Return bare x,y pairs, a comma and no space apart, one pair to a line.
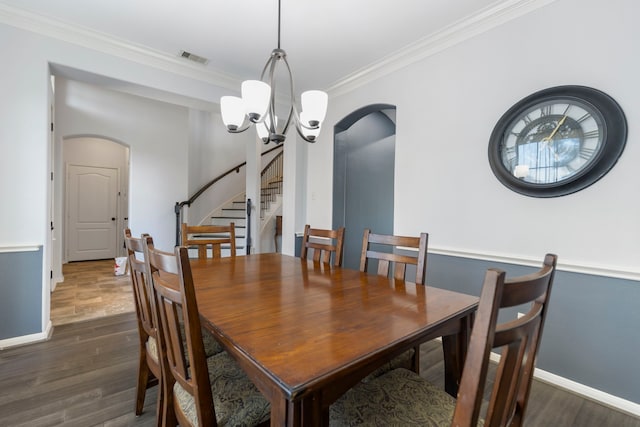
551,135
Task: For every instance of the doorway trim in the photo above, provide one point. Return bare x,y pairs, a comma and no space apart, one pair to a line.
90,151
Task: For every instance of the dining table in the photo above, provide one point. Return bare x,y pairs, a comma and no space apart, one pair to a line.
307,332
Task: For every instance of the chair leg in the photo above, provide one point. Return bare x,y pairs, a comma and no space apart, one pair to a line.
160,409
143,380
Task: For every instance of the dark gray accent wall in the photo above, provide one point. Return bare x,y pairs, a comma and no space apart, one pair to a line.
592,332
20,293
363,180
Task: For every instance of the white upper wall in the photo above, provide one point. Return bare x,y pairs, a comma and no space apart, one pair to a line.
447,106
155,132
24,107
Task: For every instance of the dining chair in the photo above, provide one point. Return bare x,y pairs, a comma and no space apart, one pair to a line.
385,249
200,391
391,261
149,367
401,397
150,351
322,244
205,236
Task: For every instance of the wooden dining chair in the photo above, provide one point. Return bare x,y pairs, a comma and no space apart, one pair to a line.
199,391
205,236
385,249
392,261
401,397
324,245
149,368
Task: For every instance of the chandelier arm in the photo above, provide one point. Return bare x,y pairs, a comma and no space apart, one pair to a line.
273,126
240,129
292,97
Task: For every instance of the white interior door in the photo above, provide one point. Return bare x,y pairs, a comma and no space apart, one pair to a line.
92,199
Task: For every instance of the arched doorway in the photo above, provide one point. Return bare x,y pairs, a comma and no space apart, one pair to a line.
96,197
363,176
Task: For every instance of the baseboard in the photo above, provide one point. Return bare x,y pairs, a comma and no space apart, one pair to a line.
587,392
27,339
55,281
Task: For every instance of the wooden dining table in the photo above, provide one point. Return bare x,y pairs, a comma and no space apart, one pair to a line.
306,332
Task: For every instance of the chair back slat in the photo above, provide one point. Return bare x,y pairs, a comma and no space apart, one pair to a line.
330,245
141,291
518,341
213,236
398,261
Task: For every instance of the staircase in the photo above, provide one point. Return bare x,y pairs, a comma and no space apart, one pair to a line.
270,205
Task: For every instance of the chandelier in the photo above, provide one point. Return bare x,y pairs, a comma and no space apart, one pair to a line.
258,106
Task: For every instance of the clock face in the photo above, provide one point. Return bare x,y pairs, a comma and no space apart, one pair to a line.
557,141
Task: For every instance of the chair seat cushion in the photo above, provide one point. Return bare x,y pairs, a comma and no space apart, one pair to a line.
397,398
403,361
237,401
211,345
152,348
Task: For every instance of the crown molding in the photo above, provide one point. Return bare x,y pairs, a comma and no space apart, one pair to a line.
486,19
110,45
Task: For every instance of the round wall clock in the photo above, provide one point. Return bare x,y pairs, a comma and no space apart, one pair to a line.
557,141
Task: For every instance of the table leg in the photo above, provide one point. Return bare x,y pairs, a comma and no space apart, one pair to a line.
454,348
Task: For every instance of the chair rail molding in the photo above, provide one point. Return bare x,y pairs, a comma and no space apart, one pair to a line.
570,266
20,248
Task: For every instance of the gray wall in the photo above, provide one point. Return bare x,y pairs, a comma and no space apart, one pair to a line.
20,293
363,180
591,335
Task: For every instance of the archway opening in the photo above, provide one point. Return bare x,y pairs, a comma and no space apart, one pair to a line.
363,176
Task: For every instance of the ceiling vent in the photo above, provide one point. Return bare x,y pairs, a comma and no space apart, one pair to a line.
192,57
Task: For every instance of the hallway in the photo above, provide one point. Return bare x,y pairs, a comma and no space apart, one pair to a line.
90,290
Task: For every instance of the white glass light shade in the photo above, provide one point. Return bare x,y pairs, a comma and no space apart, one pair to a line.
263,128
255,95
314,104
311,134
232,111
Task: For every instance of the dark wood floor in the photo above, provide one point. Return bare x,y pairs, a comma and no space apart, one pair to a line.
85,376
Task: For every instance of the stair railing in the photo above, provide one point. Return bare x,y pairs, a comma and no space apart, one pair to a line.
271,182
180,205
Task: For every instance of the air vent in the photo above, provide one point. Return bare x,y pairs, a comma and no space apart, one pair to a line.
192,57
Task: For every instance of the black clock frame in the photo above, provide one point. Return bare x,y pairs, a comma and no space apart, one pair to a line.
614,140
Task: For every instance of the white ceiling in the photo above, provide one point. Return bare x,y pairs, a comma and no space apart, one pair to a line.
326,41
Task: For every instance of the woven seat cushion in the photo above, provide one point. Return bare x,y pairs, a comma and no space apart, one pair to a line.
211,345
402,361
398,398
152,348
236,399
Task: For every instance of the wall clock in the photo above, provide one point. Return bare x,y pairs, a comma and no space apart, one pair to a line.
557,141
